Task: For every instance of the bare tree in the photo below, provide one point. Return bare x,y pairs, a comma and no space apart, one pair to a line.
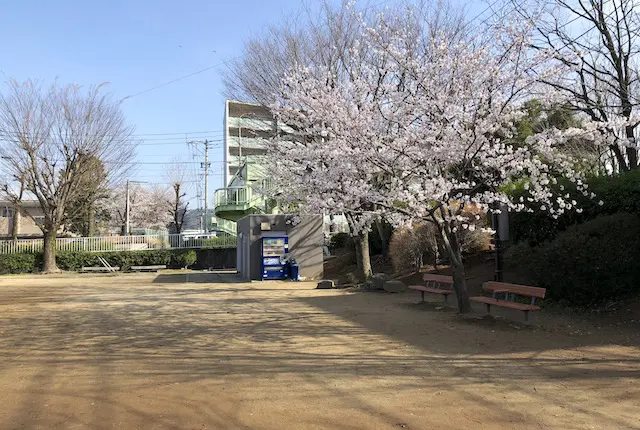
177,205
597,42
51,138
325,36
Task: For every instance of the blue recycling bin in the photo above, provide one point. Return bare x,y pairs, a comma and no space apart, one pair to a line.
294,270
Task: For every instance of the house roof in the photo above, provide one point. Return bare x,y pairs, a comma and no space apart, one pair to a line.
23,203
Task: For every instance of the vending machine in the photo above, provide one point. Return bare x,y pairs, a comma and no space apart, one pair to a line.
275,252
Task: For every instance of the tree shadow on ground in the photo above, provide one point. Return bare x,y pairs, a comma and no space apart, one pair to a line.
184,334
222,277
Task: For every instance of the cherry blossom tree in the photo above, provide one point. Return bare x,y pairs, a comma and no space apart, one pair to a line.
426,134
299,160
148,206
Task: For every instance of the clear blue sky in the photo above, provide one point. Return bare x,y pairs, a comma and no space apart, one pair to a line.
136,45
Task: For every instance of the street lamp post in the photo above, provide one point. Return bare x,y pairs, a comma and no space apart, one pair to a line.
500,223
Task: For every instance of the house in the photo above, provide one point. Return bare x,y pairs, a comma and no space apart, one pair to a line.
21,225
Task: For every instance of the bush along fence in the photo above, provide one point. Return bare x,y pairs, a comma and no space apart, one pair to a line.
76,260
118,243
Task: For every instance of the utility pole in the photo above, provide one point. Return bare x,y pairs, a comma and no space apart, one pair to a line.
205,166
206,185
199,200
127,230
126,210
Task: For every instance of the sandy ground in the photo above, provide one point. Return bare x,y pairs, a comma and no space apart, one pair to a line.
153,352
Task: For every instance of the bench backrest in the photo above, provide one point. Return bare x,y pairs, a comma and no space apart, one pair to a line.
442,279
522,290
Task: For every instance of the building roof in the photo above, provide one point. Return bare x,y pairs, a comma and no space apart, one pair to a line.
23,203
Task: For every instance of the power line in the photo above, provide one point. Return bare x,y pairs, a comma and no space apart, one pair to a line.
197,72
178,79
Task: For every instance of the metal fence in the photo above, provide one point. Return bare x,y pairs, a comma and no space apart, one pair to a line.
118,243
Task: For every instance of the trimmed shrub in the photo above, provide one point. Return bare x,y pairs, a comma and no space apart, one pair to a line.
587,264
75,260
183,258
619,193
123,259
19,263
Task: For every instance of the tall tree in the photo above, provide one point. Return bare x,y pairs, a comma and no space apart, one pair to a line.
434,126
325,35
597,44
50,137
84,207
327,43
177,206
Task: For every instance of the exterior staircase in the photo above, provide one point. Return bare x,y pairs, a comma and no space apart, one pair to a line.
233,203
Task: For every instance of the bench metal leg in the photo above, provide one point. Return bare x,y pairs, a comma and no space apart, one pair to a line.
488,306
526,316
422,294
446,296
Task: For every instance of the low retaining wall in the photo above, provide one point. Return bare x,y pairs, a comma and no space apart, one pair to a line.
223,258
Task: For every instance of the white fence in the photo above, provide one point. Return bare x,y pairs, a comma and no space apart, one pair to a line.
118,243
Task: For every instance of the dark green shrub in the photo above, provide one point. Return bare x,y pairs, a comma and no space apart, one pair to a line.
123,259
588,263
19,263
183,258
619,193
340,240
75,260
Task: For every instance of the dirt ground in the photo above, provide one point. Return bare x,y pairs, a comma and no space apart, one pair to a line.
153,352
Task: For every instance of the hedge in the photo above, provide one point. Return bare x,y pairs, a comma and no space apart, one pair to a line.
619,193
587,264
75,260
20,263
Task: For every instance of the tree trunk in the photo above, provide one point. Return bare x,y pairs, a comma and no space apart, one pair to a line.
91,221
632,153
15,227
459,281
452,246
49,257
385,234
363,257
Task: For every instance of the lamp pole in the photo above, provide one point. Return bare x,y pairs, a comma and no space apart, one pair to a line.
500,223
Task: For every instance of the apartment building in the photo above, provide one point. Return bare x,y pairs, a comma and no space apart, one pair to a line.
248,127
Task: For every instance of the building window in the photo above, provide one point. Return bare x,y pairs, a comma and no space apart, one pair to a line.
6,212
38,219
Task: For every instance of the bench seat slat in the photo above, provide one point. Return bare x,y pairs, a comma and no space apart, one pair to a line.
505,304
430,290
442,279
156,267
523,290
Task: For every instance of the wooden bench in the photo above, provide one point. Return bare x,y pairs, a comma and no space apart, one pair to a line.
510,292
99,269
148,268
433,284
